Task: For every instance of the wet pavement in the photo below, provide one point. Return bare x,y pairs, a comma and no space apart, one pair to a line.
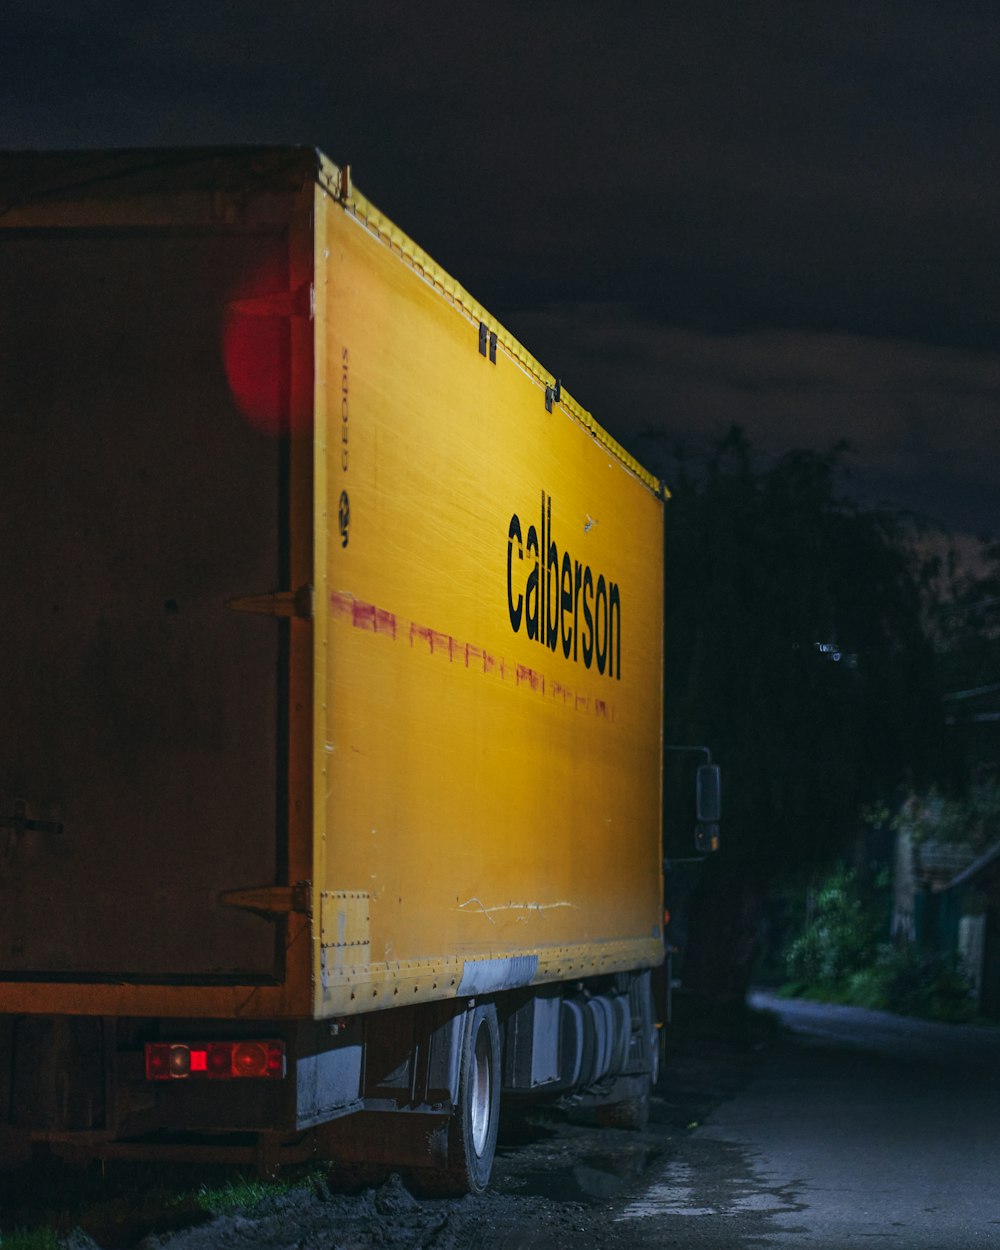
849,1127
872,1129
856,1128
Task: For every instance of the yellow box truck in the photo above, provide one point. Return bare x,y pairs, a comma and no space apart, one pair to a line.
330,685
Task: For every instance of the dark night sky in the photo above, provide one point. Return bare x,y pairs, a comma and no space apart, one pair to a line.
781,213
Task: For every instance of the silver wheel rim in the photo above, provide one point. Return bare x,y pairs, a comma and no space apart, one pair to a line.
480,1089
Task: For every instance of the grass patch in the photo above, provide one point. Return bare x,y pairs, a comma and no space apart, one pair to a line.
243,1193
30,1239
121,1203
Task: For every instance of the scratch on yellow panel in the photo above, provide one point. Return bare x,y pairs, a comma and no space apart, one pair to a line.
476,906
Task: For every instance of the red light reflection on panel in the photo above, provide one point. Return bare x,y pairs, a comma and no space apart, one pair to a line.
256,350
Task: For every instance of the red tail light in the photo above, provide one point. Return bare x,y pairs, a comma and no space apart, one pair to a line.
219,1059
250,1059
157,1062
222,1061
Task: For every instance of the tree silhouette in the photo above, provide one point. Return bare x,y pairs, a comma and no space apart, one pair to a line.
796,649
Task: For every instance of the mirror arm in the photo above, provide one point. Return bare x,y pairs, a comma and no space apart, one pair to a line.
704,750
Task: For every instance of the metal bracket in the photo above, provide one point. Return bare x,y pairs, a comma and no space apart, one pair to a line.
345,184
18,824
286,603
553,394
487,342
271,901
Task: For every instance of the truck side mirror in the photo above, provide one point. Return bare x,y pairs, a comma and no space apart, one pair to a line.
708,794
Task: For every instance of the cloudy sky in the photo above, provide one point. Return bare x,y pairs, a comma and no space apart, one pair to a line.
775,212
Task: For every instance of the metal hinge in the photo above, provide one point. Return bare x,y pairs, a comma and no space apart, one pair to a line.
271,901
344,187
19,821
285,603
487,342
18,824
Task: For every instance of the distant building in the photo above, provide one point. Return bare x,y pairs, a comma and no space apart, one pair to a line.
947,899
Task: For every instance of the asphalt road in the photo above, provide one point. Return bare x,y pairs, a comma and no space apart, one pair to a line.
857,1128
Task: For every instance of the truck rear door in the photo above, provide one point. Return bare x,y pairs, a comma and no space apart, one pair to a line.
143,479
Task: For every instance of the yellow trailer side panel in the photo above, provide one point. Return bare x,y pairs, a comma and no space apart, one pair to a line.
480,792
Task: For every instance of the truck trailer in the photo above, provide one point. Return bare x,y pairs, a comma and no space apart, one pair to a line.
330,686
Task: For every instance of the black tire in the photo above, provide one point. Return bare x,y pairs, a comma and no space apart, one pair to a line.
472,1132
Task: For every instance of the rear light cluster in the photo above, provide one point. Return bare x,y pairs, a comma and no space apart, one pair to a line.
221,1061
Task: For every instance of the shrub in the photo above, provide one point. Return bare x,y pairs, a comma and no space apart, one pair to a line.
838,940
912,982
837,957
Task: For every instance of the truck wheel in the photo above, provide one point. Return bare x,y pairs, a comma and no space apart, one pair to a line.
472,1133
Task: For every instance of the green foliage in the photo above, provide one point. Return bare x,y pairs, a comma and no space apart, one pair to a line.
839,939
912,982
30,1239
241,1193
796,649
124,1202
971,819
837,958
